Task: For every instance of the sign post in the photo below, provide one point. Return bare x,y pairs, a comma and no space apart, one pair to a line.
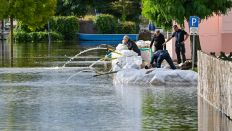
193,24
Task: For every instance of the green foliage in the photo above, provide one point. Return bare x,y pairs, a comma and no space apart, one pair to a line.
3,8
20,27
105,23
22,37
67,26
33,13
36,36
126,9
72,7
127,27
89,17
123,9
195,69
164,12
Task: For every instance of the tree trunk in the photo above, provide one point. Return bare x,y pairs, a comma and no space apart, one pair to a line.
123,11
197,46
11,39
2,29
11,31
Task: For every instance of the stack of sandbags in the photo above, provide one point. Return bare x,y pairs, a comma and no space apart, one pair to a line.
143,44
124,58
145,50
156,76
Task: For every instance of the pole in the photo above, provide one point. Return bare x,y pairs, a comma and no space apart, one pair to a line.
193,55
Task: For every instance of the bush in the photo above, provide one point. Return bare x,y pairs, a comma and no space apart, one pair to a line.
66,26
127,27
36,36
105,23
22,37
20,27
89,18
61,27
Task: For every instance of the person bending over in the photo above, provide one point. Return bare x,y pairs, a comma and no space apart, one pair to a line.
131,45
159,56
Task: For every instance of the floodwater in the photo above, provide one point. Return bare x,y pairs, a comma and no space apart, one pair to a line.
36,93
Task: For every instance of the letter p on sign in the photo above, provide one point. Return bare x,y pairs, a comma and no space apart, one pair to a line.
194,21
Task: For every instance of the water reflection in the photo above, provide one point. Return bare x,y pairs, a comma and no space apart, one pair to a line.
96,43
16,113
5,52
169,109
44,54
210,119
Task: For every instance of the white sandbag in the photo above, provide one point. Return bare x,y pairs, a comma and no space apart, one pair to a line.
146,56
156,76
121,47
131,66
125,57
140,43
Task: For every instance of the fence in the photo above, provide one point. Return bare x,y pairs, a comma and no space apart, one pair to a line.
215,81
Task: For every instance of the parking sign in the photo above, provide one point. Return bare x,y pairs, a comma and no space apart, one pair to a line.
194,24
194,21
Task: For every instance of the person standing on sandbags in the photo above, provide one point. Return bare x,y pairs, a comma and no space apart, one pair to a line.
158,40
158,57
131,45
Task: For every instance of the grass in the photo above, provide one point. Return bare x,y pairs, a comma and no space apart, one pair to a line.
195,69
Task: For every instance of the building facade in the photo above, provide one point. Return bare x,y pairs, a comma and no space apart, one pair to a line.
215,36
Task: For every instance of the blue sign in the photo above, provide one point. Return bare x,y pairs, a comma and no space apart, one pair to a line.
194,21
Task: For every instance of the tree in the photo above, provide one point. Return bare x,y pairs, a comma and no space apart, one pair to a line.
163,12
33,13
72,7
127,9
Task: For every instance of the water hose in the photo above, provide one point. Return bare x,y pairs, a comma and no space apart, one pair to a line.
114,51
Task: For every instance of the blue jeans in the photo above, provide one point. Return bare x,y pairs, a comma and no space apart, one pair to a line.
163,56
180,51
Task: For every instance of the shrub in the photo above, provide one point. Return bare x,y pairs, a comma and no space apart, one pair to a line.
66,26
89,18
20,27
36,36
105,23
22,37
126,27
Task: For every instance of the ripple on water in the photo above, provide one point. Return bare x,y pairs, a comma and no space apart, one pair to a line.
41,99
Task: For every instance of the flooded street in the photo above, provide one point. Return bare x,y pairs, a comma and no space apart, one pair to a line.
36,93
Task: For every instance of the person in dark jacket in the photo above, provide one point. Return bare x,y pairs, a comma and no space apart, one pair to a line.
181,36
131,45
158,58
158,41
